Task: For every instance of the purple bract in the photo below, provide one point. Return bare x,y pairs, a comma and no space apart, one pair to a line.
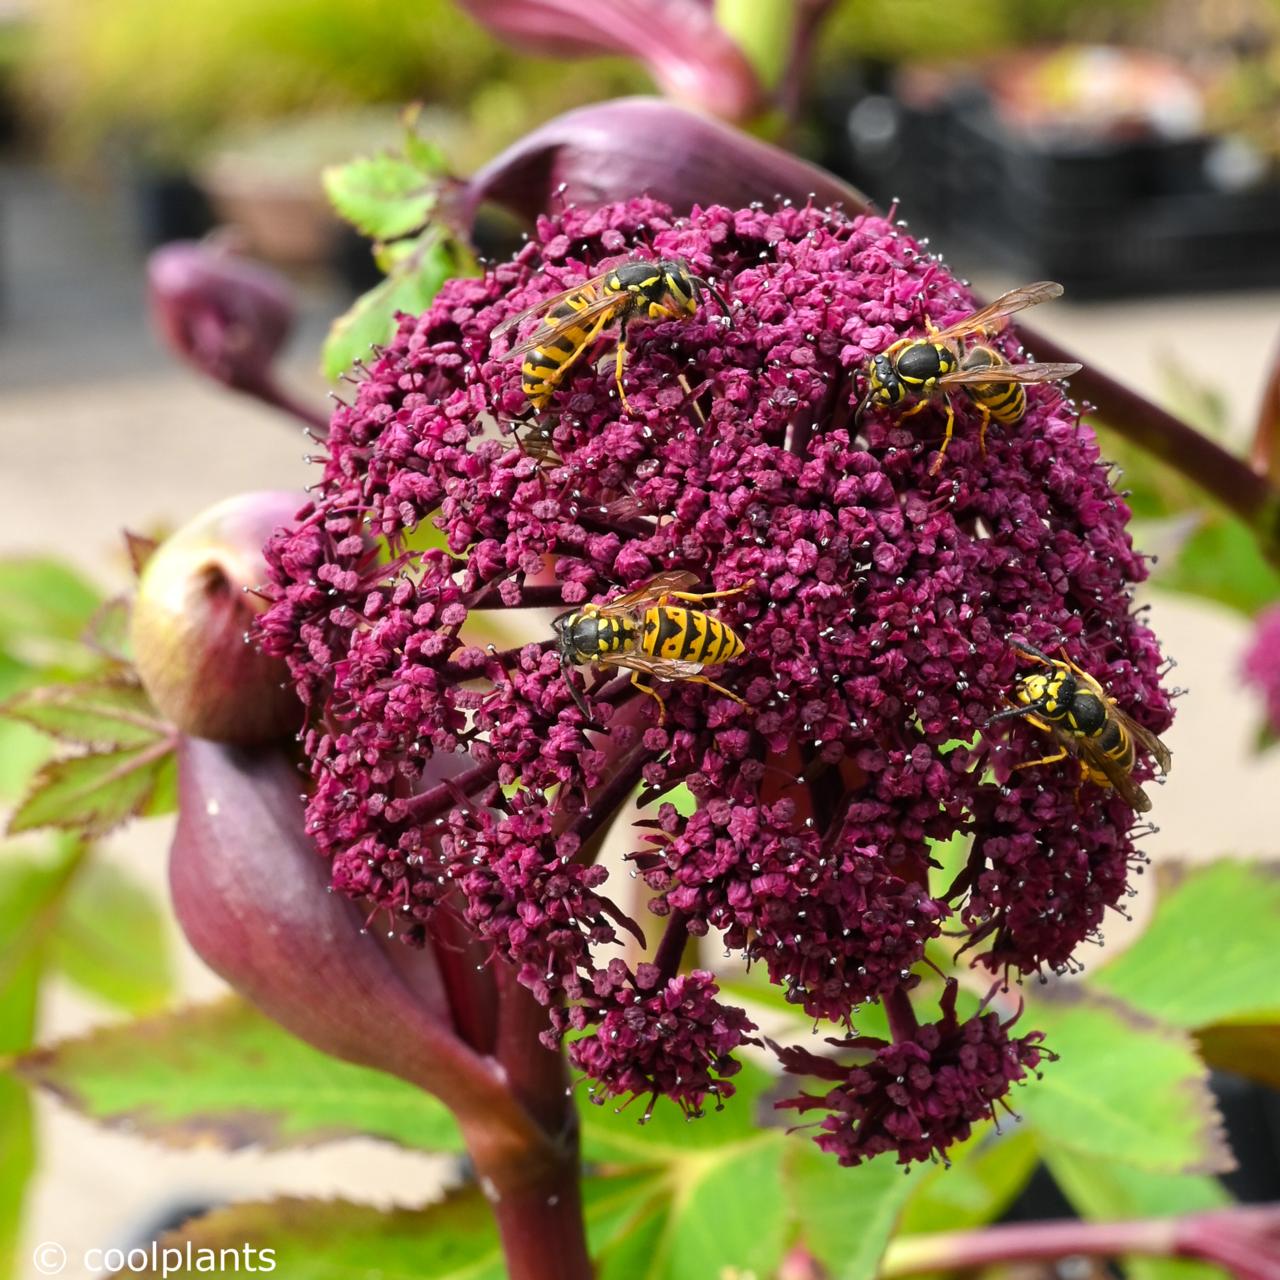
457,783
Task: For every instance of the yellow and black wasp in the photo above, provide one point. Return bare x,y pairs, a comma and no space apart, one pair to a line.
651,631
1085,721
927,368
573,319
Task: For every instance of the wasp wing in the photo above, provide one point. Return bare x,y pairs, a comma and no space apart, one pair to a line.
1096,764
595,312
992,317
591,284
998,373
1145,739
663,668
654,589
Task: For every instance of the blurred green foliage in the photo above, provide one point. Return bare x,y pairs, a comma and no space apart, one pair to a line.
894,30
168,78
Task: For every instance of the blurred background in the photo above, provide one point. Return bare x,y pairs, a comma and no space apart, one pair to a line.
1127,148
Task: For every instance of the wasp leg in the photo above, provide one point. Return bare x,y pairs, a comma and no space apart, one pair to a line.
919,405
1061,754
620,364
697,597
637,679
936,465
719,688
982,430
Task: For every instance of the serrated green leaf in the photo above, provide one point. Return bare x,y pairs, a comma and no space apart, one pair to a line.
982,1178
846,1216
422,268
111,941
42,599
383,196
335,1239
1125,1088
1208,954
1103,1191
17,1163
455,1239
104,713
720,1211
92,794
1221,561
223,1073
22,749
30,888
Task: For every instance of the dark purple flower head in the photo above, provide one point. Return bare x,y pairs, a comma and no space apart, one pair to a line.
877,644
918,1094
1262,664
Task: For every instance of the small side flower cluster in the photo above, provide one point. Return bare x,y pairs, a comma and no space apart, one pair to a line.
919,1093
1262,666
456,780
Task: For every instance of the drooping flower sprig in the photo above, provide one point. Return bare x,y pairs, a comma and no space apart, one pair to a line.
459,785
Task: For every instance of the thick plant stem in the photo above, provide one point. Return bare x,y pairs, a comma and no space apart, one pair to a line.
1221,474
539,1216
533,1186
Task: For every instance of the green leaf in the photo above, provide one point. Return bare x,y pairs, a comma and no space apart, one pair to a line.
17,1163
94,793
1103,1191
111,941
1124,1088
716,1197
1208,954
22,749
42,599
1221,561
983,1178
846,1216
383,196
722,1210
614,1134
99,713
1250,1049
223,1073
420,268
30,888
455,1239
335,1240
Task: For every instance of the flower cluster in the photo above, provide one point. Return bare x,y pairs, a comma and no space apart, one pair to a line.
456,779
918,1094
1262,665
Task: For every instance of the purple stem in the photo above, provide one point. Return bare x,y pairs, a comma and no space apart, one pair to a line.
1227,478
1243,1240
902,1017
272,393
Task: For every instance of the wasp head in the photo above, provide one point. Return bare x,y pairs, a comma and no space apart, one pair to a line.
884,387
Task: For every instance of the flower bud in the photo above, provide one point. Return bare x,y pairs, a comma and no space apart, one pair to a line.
249,893
632,146
225,316
191,617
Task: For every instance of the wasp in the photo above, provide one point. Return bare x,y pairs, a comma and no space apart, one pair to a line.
928,367
651,632
573,319
1085,721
